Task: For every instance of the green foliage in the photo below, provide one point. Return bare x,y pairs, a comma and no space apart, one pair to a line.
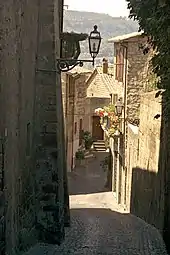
112,131
79,154
154,19
109,108
88,140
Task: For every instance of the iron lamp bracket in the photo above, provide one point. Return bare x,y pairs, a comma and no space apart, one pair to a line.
65,65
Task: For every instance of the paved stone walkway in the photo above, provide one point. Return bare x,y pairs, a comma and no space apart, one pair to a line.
98,224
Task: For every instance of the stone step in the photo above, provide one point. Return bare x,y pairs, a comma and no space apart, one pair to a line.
100,149
99,145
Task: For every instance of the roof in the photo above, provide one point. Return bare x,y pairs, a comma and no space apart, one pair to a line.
101,85
124,37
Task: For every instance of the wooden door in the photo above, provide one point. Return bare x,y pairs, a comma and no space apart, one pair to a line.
97,131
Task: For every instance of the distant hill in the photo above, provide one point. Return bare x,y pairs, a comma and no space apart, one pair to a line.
83,22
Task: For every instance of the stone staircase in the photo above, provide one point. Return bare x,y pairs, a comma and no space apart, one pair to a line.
99,146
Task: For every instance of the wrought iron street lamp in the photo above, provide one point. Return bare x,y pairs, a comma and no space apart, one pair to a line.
119,107
71,49
94,43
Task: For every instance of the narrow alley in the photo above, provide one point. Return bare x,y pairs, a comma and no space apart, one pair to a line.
98,224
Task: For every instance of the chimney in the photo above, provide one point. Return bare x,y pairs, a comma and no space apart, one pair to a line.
105,65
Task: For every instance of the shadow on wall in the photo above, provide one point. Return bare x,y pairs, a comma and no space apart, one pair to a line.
150,191
146,201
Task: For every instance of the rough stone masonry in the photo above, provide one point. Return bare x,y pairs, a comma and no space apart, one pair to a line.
30,114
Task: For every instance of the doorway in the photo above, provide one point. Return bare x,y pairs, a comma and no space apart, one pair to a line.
97,131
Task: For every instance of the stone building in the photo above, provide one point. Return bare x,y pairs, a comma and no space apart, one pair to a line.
74,101
31,125
131,72
140,160
83,92
102,89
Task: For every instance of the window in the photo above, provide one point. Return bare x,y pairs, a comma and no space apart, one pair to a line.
75,128
120,64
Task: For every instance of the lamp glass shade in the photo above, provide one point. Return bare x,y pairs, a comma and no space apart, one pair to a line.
119,108
94,42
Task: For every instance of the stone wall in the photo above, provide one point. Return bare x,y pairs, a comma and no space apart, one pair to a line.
69,108
147,187
76,111
45,77
79,110
17,67
64,95
136,76
29,42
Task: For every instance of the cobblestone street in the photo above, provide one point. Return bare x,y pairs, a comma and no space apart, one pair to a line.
98,224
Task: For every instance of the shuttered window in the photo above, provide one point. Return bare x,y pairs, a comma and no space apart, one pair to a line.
120,64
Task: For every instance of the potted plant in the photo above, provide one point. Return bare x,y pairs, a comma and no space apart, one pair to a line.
88,140
79,155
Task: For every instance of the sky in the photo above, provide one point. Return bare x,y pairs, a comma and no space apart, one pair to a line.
115,8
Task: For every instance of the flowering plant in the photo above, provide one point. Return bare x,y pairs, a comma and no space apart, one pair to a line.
109,112
100,112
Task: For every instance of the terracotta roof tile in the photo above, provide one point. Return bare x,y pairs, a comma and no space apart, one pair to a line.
102,85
